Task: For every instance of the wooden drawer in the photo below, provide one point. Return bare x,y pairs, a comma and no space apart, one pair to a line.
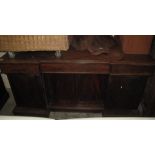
20,68
120,69
89,68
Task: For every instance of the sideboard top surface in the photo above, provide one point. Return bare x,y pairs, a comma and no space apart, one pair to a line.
115,56
115,61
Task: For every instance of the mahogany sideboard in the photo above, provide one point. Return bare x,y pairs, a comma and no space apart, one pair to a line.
78,81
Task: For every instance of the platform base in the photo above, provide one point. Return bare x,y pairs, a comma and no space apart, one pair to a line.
24,111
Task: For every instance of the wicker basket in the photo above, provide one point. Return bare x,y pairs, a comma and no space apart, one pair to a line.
17,43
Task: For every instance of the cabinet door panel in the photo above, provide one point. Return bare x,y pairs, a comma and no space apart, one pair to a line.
125,92
75,91
28,90
92,87
59,87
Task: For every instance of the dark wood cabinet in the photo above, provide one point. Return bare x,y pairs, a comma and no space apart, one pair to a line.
3,93
77,81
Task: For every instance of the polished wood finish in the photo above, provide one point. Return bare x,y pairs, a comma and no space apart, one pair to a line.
31,111
22,68
127,69
125,92
77,68
76,92
28,91
78,81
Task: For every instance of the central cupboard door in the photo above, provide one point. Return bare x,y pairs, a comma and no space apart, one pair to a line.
75,92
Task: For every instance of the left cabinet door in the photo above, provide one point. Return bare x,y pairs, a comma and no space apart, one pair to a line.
28,89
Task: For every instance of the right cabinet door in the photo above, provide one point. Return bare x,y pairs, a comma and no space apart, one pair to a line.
125,92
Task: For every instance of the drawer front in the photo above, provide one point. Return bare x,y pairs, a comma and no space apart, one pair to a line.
20,68
118,69
75,68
